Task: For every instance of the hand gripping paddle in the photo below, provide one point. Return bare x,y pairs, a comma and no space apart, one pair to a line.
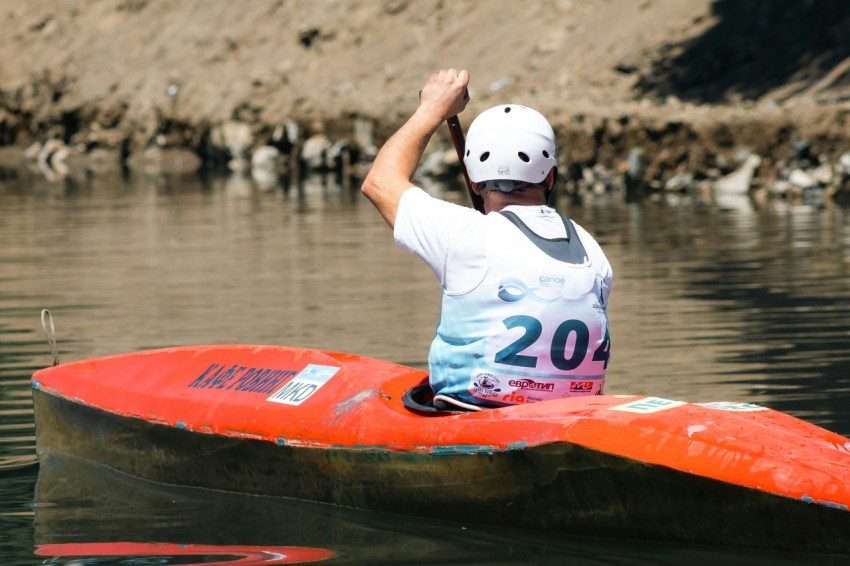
460,142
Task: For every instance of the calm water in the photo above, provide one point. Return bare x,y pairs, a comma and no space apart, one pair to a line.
712,301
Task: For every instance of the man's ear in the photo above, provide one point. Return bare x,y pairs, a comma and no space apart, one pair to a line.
551,178
550,187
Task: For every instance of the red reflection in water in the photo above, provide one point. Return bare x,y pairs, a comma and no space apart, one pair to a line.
241,554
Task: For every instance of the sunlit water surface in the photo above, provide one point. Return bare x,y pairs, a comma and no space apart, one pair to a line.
712,301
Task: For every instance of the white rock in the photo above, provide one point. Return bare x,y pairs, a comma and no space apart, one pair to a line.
738,182
635,164
31,154
335,152
314,150
844,164
235,137
679,182
364,137
801,179
265,157
288,130
823,174
438,163
781,186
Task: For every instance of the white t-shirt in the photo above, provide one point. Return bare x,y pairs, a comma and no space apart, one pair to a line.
517,324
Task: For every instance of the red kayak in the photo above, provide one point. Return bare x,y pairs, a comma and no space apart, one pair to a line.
355,431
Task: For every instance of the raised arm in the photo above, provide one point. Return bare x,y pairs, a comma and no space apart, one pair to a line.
392,172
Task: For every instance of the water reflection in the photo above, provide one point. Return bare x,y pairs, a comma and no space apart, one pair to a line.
752,305
73,497
712,301
177,553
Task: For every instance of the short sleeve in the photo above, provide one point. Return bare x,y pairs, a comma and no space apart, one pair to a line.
434,230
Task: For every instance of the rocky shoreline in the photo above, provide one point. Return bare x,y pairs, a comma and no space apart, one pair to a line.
285,89
635,157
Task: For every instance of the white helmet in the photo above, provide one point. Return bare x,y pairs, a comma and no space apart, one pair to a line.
509,143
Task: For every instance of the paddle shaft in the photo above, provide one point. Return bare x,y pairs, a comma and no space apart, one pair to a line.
460,143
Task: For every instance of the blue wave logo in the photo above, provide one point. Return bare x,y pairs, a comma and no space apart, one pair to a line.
513,290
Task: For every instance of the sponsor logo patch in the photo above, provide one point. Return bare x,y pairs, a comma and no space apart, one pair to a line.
518,398
648,405
581,386
304,385
485,384
526,383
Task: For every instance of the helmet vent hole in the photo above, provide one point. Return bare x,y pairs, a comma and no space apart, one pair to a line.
524,157
545,154
507,109
484,156
467,153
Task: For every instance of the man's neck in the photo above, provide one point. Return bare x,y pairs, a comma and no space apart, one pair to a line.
495,201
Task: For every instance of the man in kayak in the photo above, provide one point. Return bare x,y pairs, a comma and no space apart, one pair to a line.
525,290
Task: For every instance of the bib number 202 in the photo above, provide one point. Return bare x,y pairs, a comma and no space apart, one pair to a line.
512,354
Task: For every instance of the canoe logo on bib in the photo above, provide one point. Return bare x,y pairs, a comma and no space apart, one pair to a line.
512,290
552,280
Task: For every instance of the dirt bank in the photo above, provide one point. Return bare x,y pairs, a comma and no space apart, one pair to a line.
689,85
